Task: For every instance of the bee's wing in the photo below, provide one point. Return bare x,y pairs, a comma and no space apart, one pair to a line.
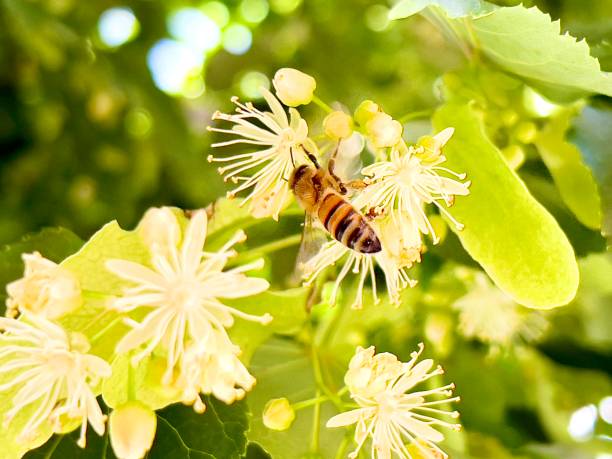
313,239
348,159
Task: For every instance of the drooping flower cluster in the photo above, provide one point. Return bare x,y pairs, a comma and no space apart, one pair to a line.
51,374
393,194
187,321
391,413
493,317
52,377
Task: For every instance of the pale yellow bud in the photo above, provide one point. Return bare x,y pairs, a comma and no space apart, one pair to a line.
46,289
383,130
159,227
338,125
132,430
365,112
293,87
278,414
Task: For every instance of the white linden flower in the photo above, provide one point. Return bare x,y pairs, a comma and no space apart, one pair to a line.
182,288
46,289
492,316
51,372
403,185
388,413
212,367
394,265
278,143
293,87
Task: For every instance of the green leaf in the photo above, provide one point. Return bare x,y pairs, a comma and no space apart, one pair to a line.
109,242
220,432
593,135
526,42
53,243
516,241
100,324
65,446
284,369
288,309
572,177
452,8
146,380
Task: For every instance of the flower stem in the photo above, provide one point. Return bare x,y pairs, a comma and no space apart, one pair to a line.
273,246
308,403
416,115
131,383
322,104
341,452
316,419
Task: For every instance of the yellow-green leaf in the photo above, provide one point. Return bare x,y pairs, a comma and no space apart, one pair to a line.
511,235
572,177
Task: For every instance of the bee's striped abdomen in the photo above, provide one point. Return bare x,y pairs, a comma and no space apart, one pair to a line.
347,225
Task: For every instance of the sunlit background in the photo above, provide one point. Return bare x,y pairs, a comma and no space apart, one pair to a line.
104,107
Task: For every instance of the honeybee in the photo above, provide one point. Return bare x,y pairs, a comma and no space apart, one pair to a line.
321,194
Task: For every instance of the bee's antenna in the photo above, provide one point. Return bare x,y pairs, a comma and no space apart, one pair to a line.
292,160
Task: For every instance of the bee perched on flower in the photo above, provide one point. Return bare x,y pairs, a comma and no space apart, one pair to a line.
389,411
375,219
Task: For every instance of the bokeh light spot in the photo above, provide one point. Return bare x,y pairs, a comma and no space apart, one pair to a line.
217,11
237,39
195,29
582,423
254,11
284,6
605,409
172,64
251,82
377,17
117,26
138,123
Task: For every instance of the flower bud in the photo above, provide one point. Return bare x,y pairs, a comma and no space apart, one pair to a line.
278,414
365,112
431,146
159,227
383,130
46,289
293,87
338,125
515,155
526,131
132,430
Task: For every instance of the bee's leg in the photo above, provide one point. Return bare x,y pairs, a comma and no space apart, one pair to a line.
356,184
330,168
311,157
374,212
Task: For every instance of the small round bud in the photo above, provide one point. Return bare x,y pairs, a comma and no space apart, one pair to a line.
278,414
383,130
515,155
365,111
338,125
132,430
293,87
526,132
509,117
159,227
